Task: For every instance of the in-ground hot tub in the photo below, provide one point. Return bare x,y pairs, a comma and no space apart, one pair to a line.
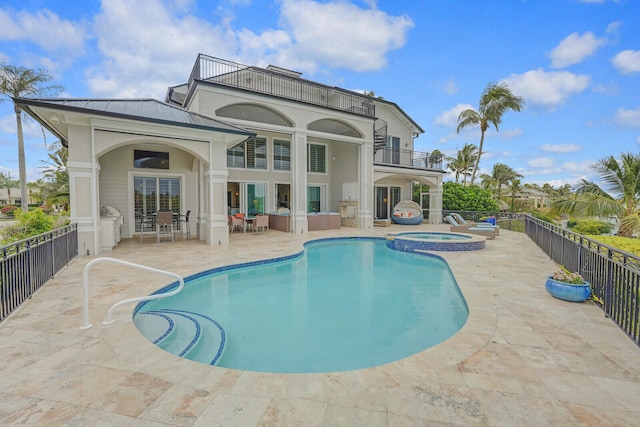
434,241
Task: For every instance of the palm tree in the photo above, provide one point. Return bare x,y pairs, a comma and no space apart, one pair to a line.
514,188
463,163
621,197
56,176
16,82
496,100
503,174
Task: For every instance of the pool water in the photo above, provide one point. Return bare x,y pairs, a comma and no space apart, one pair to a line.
343,304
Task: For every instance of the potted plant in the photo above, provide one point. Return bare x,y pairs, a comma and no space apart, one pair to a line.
568,286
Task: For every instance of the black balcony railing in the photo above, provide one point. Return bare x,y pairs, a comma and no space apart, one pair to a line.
283,84
28,264
407,158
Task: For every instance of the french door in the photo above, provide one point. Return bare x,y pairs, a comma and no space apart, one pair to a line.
153,193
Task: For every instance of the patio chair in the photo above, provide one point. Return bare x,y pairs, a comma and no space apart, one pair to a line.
261,223
488,232
164,225
184,218
144,222
462,221
235,222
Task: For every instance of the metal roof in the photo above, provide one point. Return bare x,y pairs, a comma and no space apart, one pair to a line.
146,110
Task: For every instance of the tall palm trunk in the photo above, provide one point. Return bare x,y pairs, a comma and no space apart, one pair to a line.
24,196
483,128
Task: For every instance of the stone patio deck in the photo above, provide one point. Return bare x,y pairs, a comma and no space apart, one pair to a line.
523,358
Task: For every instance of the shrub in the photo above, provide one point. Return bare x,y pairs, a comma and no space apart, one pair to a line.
457,197
9,210
589,226
543,217
28,224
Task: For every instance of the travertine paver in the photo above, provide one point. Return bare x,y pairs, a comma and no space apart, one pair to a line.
522,358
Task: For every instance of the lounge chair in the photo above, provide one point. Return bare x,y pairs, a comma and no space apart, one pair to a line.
488,232
407,212
460,220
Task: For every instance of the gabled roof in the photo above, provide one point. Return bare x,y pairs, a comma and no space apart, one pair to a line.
144,110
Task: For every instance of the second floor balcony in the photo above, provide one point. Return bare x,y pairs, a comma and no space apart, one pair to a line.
408,158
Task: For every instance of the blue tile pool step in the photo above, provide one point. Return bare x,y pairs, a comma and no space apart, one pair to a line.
184,333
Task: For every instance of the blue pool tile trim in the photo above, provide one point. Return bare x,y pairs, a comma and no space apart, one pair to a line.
169,329
223,334
414,245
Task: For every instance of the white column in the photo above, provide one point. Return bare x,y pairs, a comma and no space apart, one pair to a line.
435,202
299,183
83,182
365,208
216,228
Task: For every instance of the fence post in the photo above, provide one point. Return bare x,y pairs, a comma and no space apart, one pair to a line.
608,284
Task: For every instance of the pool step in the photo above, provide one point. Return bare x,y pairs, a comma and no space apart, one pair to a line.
184,333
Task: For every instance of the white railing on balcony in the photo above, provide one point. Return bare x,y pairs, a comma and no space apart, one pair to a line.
285,84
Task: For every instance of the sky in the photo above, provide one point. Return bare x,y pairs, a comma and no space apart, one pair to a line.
575,62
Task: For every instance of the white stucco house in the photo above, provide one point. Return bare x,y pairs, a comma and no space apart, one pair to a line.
238,138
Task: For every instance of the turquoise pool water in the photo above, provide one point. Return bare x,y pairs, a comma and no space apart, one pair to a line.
342,304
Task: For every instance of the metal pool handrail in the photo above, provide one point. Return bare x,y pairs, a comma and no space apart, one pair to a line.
109,319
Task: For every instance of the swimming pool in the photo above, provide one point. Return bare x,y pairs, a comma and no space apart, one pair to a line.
341,304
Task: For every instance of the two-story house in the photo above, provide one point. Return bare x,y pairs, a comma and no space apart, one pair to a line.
238,138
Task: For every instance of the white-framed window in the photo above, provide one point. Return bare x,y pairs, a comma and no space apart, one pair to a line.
316,158
281,155
251,154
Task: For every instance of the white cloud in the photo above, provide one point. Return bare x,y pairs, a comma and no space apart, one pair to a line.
613,27
629,118
511,133
541,163
547,88
450,87
561,148
577,167
627,61
449,118
574,49
45,29
339,34
146,47
607,89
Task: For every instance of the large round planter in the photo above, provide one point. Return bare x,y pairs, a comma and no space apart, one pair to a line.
568,291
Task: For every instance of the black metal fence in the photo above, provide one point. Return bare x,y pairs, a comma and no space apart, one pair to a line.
28,264
614,274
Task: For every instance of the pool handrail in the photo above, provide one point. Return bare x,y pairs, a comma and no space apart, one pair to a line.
109,318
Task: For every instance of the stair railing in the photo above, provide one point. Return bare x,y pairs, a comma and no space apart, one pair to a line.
109,318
